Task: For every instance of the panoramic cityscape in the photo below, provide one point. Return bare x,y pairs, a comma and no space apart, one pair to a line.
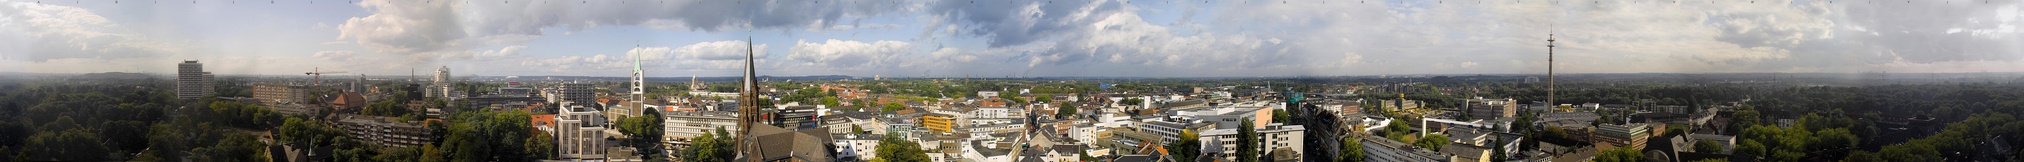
1011,80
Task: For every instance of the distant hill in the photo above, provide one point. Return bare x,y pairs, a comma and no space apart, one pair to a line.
113,76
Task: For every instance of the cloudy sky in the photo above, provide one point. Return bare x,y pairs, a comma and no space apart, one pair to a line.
997,38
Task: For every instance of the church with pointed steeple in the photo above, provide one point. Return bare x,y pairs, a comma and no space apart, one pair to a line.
639,88
760,141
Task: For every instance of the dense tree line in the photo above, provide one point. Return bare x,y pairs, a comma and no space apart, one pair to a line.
495,136
710,146
117,121
142,121
1831,122
1958,142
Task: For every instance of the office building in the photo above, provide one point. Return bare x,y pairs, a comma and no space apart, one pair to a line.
939,122
191,80
577,93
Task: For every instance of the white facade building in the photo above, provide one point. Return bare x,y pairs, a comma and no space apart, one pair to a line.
579,133
1275,136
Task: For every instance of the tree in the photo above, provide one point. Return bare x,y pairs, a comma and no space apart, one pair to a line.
703,148
1862,156
1432,141
540,146
1352,150
1067,110
67,145
1750,148
1280,116
1745,118
1910,152
1497,151
892,148
1708,146
1620,154
1014,97
643,130
1780,144
1131,101
492,136
857,104
1397,129
1247,142
895,106
235,147
855,129
1187,147
831,101
1833,139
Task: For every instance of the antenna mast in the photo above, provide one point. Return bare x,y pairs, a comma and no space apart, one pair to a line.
1549,67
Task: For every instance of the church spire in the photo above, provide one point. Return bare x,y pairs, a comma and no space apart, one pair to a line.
748,108
639,84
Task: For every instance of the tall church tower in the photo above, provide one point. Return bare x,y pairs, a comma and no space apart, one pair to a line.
748,106
639,86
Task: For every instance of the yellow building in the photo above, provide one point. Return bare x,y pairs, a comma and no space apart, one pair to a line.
939,122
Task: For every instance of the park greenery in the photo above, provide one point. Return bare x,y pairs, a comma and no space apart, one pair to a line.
143,121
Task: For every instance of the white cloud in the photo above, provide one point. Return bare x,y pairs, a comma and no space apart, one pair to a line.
441,29
502,52
717,50
846,54
336,56
41,32
715,55
406,27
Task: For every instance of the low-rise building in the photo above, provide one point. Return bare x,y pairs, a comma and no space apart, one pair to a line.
275,94
857,146
1380,149
386,131
939,122
1170,129
1274,136
1480,108
678,127
1631,135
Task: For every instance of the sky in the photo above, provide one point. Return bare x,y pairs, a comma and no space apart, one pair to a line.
1015,38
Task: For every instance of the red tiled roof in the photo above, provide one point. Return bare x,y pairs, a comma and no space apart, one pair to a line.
542,120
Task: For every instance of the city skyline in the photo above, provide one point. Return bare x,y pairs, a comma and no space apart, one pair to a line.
993,38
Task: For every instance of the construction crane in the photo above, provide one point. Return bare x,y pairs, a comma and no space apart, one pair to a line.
316,80
316,76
